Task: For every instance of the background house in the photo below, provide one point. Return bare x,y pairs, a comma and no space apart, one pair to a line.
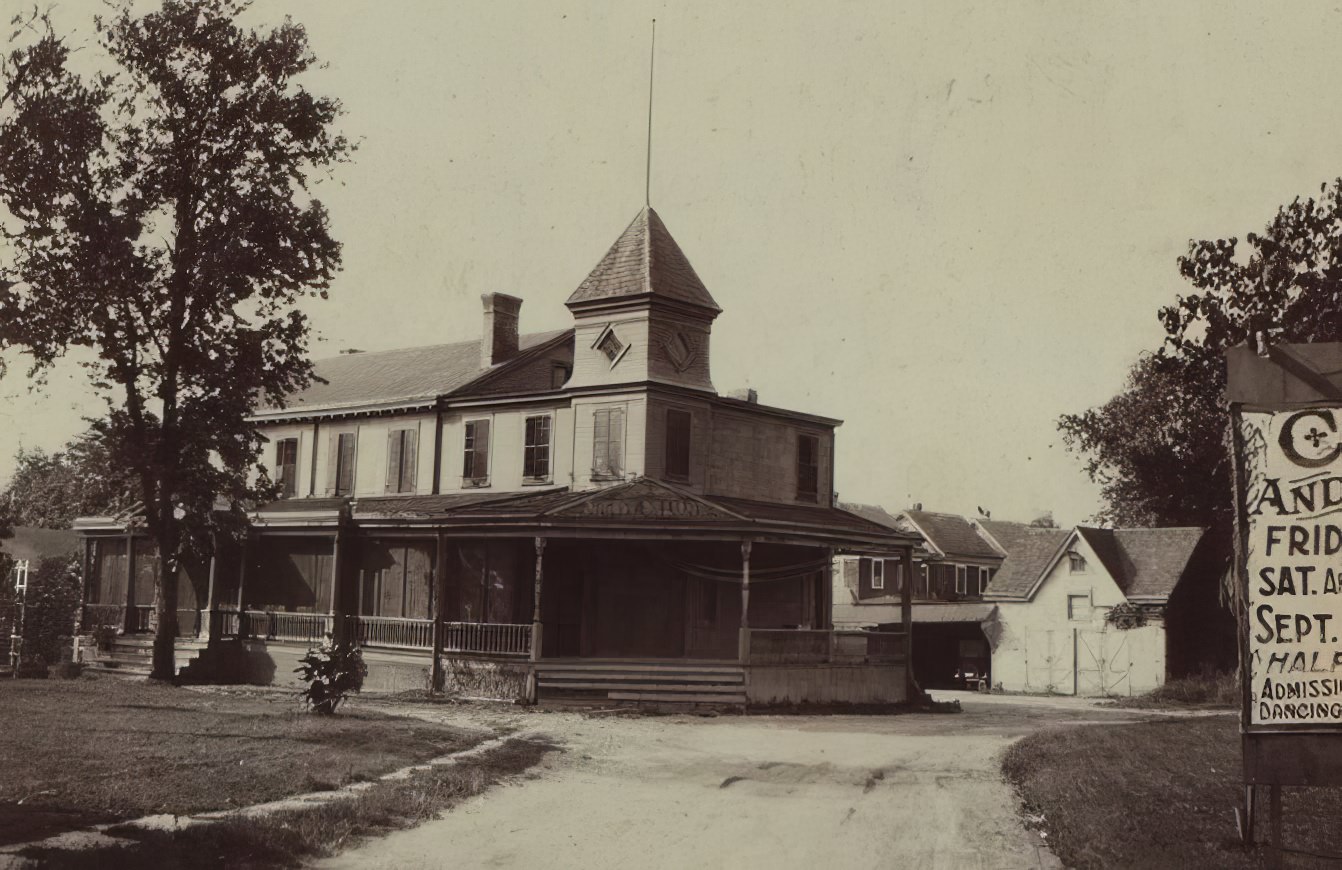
1083,612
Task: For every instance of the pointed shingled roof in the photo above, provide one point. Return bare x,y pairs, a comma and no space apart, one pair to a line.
644,260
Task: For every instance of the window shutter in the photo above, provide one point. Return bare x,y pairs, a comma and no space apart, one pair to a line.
410,461
850,573
394,461
332,462
468,453
617,441
345,465
864,574
678,425
601,441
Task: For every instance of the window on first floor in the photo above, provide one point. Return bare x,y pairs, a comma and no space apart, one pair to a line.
402,459
808,468
536,456
608,443
286,466
678,424
1078,607
475,456
877,573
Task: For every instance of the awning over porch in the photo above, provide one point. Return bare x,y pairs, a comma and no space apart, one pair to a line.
642,508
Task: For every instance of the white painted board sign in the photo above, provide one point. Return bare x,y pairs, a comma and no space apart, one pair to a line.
1293,555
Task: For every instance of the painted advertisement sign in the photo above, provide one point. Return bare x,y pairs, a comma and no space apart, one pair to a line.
1292,485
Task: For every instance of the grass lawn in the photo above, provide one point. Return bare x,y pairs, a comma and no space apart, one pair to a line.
1217,690
78,752
1156,794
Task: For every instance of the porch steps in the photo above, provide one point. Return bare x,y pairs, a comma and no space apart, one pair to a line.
133,655
657,683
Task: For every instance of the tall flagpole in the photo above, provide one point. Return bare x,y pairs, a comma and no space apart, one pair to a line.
652,60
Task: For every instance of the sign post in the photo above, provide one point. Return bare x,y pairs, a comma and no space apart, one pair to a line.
1286,441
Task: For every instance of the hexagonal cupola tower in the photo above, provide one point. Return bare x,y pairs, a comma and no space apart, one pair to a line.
642,314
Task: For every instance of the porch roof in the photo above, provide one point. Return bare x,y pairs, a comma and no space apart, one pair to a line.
637,508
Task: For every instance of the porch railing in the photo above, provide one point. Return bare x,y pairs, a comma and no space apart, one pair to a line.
784,646
487,637
389,631
140,618
271,625
110,615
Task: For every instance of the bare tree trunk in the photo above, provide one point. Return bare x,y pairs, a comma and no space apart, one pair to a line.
165,636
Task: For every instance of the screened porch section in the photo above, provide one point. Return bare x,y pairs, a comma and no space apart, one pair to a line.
120,574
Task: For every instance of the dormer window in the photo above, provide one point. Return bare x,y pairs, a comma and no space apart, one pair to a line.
611,346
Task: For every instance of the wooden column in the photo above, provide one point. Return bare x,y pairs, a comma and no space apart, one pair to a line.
203,626
743,637
906,618
536,627
338,632
129,613
439,613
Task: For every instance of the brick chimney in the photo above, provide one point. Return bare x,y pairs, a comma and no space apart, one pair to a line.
499,341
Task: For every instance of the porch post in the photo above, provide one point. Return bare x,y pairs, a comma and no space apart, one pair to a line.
129,611
439,612
537,636
743,643
203,617
536,627
906,614
243,557
337,623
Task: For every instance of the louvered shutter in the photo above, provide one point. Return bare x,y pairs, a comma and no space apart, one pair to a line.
850,573
394,460
617,441
410,461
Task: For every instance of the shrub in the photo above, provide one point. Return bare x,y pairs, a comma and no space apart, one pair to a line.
331,671
50,608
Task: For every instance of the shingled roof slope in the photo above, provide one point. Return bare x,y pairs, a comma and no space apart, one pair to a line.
877,514
1006,533
407,374
645,259
953,535
1145,563
31,542
1024,565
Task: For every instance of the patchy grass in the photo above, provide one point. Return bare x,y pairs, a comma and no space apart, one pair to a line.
99,749
289,838
1155,794
1211,690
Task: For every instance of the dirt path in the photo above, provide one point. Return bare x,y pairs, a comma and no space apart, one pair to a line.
778,792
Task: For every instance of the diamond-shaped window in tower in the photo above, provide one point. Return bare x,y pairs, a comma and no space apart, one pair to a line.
611,346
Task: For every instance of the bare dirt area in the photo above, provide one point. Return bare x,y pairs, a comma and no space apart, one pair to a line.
916,790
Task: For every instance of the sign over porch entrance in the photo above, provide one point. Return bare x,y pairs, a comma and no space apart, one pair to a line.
644,500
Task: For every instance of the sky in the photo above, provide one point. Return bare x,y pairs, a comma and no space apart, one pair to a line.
946,223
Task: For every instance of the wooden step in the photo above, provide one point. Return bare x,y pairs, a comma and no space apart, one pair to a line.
737,677
673,698
640,686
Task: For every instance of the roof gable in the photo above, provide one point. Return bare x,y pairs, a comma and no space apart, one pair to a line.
1154,559
644,261
952,535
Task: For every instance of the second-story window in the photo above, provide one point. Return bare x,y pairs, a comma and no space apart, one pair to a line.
808,468
608,443
343,476
536,458
286,467
961,582
877,573
985,577
475,466
678,424
402,456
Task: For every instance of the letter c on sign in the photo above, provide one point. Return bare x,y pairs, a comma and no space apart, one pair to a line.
1287,439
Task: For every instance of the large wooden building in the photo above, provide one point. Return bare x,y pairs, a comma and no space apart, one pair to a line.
573,514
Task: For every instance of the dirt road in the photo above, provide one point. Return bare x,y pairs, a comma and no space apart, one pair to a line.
917,791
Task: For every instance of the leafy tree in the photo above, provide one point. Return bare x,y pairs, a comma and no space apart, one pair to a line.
49,607
161,219
1158,448
51,489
